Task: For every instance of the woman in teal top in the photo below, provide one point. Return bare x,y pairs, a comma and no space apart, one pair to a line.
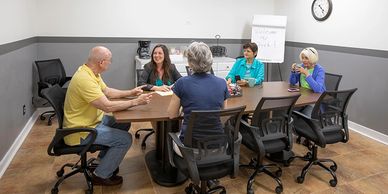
247,67
159,74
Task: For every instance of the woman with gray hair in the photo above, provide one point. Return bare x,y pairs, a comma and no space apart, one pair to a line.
309,74
199,91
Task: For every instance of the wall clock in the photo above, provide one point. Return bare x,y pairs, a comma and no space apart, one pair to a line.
321,9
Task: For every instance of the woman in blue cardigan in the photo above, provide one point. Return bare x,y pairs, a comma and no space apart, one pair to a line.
309,74
247,67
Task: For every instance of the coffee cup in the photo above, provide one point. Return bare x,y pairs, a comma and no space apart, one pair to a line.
251,81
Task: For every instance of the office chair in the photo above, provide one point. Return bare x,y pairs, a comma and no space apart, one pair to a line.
332,82
328,124
50,72
150,130
55,95
268,133
190,72
208,155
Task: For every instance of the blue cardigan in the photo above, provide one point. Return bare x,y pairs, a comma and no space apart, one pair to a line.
316,80
239,68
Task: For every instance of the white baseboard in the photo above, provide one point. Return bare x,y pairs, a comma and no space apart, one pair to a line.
4,163
375,135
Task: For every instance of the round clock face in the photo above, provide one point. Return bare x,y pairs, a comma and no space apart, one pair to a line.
321,9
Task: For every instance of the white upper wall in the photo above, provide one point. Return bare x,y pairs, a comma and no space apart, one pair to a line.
150,18
352,23
17,20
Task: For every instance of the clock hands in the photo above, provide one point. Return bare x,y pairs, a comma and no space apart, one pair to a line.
323,11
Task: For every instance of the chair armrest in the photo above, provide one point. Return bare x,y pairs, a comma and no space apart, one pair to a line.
188,156
236,155
43,85
67,79
254,132
172,137
61,133
310,122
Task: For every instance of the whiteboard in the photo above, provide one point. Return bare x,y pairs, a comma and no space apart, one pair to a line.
269,33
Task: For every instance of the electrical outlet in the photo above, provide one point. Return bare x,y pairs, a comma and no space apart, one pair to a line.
24,109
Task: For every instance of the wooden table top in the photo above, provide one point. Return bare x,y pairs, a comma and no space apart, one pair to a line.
156,110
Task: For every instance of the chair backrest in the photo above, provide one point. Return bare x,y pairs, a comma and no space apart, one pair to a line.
273,115
213,129
56,97
332,81
51,71
331,106
190,72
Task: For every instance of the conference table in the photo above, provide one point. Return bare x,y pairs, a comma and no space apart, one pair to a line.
157,160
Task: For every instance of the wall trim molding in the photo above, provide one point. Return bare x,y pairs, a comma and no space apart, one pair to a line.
6,48
368,132
7,159
341,49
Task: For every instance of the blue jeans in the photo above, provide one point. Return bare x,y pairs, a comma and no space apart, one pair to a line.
116,137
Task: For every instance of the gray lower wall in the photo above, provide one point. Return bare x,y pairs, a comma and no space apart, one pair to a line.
16,91
361,68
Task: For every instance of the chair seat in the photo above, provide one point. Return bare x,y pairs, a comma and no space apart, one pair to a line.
332,134
63,149
271,146
206,172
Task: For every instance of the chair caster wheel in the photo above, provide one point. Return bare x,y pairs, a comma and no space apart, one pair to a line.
54,191
333,182
137,136
49,123
250,191
279,189
278,173
60,173
333,168
299,179
223,192
42,118
143,146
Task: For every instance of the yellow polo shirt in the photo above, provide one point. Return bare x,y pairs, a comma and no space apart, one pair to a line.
84,88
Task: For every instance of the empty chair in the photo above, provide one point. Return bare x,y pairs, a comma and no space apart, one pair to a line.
50,72
149,130
55,95
328,124
268,133
332,81
206,153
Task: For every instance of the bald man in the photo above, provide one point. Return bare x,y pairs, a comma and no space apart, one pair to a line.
87,98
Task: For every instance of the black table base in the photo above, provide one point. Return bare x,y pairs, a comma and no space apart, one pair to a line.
163,174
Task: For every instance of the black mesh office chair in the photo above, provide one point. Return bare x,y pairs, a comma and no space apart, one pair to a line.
150,130
328,124
207,154
55,95
268,133
332,82
190,71
50,72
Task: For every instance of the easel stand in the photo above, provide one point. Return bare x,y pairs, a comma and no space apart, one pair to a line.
267,70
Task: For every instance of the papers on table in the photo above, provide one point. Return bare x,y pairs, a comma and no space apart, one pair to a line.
164,93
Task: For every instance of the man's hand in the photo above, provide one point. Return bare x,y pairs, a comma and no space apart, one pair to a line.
144,99
138,90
